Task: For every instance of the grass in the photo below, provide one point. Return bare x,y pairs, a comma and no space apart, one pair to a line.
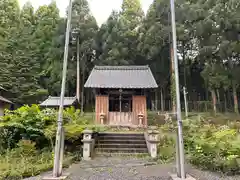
18,166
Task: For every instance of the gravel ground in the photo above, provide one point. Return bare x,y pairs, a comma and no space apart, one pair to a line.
129,168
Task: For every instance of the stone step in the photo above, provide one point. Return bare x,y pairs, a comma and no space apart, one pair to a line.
130,146
106,154
121,141
120,137
120,133
121,150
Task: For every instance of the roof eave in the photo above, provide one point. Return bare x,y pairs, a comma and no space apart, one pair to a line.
109,87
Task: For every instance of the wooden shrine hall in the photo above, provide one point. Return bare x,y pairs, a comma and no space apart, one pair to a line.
120,98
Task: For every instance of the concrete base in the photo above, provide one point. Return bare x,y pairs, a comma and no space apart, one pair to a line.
175,177
64,176
86,158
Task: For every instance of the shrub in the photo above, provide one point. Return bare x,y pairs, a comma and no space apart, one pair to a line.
39,126
154,119
25,161
213,147
26,122
27,138
210,146
166,148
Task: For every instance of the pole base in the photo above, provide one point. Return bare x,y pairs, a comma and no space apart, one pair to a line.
175,177
64,176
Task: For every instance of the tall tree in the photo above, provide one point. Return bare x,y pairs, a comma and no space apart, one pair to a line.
226,16
23,68
47,20
154,46
132,13
121,36
104,39
9,13
84,27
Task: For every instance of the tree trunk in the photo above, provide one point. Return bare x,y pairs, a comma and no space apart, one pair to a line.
87,99
207,95
214,101
82,96
225,102
156,100
235,99
162,100
152,101
78,72
173,87
219,101
152,105
184,64
230,100
218,96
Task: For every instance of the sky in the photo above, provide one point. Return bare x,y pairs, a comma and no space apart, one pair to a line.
101,9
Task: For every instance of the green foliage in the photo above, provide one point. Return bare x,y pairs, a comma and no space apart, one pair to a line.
32,46
213,146
26,122
20,67
210,145
25,161
154,119
39,126
27,134
119,36
215,149
166,148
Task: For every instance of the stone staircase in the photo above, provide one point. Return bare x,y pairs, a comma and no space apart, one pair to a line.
112,143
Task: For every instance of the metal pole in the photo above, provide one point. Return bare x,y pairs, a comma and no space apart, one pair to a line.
179,118
185,101
61,151
58,146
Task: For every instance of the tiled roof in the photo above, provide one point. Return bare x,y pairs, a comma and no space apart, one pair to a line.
5,100
55,101
121,77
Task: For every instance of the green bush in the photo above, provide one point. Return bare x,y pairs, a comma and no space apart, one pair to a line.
154,119
27,138
39,126
27,122
208,145
25,161
214,148
166,148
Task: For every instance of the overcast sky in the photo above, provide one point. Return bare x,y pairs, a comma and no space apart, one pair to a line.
101,9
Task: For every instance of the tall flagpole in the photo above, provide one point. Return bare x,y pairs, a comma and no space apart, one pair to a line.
179,118
59,135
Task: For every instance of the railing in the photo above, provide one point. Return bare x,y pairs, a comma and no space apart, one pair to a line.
120,118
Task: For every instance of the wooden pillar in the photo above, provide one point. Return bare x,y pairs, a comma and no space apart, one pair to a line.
101,107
